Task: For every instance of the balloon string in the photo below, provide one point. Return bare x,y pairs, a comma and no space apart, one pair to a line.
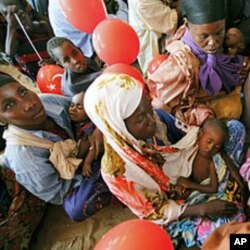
27,36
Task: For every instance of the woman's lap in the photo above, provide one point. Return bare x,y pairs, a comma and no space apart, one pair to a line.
89,197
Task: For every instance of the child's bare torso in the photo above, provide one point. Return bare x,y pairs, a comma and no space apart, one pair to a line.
200,169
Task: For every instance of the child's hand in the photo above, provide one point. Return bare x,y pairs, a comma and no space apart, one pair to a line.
46,61
184,182
179,189
244,71
96,142
86,170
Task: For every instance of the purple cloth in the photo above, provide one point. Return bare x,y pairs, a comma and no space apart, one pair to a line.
88,198
217,71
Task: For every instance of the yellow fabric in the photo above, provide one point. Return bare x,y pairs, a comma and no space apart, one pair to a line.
224,105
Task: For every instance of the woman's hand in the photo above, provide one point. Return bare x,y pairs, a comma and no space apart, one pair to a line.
219,208
212,208
96,142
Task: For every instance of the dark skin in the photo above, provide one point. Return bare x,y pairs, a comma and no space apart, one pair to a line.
210,142
141,120
210,38
78,115
11,7
21,107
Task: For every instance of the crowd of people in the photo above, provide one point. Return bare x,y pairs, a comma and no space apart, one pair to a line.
173,149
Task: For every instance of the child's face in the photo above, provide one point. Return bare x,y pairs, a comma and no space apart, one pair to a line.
76,109
70,57
233,37
211,141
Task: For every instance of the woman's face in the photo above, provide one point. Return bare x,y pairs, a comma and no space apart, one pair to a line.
20,107
209,37
141,124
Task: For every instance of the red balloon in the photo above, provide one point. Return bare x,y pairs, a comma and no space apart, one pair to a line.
125,69
115,42
135,234
155,62
49,79
84,14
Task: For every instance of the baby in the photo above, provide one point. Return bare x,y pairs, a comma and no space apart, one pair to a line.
195,164
83,128
79,72
234,42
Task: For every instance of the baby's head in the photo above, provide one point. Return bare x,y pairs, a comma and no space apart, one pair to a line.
65,53
212,136
234,39
76,109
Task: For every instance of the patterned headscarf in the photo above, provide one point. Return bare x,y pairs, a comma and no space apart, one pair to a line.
109,100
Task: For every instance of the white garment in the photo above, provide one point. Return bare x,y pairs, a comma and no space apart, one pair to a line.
150,19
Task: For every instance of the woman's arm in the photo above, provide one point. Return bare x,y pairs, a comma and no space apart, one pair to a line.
211,208
34,171
152,205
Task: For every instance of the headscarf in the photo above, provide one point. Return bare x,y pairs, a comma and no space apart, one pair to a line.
217,71
203,11
109,100
4,79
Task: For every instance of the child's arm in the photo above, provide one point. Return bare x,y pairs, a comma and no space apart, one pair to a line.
87,163
83,147
233,169
11,43
234,172
210,188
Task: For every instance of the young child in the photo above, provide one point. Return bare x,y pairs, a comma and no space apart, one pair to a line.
79,72
83,128
196,164
234,42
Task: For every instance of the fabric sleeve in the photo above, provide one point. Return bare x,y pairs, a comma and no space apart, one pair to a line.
144,203
36,174
158,16
175,128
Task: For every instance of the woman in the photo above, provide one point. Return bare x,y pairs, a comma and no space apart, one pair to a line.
152,20
33,120
133,158
197,75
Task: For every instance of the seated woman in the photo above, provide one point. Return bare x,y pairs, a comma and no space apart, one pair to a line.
132,163
45,118
195,72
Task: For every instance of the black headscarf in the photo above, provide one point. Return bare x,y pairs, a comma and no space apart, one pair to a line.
4,79
203,11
